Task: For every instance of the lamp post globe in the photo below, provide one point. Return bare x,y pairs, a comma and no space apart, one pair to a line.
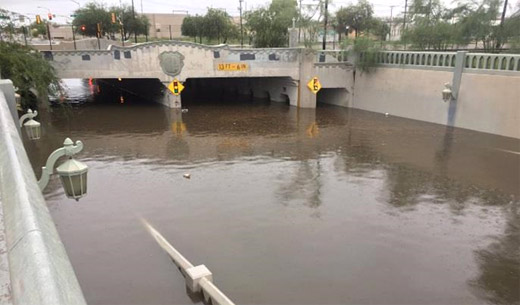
33,129
447,93
73,176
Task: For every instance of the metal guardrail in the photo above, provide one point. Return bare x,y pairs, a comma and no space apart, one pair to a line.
198,278
39,267
473,61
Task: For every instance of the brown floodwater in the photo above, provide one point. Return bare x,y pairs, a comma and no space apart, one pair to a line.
286,205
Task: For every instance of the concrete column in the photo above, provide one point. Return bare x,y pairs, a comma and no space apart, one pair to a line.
457,78
293,38
306,98
170,100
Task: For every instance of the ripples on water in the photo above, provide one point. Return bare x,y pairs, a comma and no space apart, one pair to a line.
287,206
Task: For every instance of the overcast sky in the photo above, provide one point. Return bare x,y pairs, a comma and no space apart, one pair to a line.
66,7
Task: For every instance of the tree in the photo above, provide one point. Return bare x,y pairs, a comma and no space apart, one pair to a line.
357,17
269,26
92,14
125,18
189,27
38,29
27,69
217,24
88,17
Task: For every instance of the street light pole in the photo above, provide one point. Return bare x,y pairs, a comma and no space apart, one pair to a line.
300,22
241,27
133,16
325,25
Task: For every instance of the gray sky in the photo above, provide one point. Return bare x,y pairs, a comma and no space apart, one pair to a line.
66,7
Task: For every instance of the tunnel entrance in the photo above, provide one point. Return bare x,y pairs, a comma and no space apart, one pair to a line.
126,90
333,96
235,90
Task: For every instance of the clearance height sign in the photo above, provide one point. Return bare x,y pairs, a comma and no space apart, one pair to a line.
232,67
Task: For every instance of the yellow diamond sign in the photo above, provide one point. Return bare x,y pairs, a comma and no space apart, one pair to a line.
176,87
314,85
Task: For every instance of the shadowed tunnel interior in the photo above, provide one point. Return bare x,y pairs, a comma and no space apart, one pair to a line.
196,90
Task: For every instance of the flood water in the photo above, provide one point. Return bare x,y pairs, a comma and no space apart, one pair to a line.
286,205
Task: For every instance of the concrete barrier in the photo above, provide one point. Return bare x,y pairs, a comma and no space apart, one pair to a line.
39,267
409,84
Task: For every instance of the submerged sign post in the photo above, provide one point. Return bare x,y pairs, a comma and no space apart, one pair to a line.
314,85
176,87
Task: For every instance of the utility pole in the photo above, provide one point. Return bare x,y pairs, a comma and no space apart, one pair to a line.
49,34
300,22
391,20
325,24
133,16
501,32
241,26
404,18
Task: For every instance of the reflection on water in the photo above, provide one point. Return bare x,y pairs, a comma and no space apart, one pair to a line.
287,206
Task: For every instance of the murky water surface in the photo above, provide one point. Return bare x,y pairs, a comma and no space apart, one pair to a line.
287,206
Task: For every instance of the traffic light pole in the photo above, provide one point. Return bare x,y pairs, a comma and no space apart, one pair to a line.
73,36
325,24
49,35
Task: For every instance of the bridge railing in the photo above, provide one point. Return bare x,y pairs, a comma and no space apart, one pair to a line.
39,268
331,56
198,278
446,60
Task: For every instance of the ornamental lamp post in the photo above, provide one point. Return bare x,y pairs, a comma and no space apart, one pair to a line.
32,127
73,173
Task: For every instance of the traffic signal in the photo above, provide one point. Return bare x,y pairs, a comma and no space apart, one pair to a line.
113,17
50,16
38,19
83,28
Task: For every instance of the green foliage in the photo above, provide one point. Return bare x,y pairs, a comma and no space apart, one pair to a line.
433,26
27,69
268,25
192,26
125,18
38,29
89,16
358,17
366,52
93,13
215,25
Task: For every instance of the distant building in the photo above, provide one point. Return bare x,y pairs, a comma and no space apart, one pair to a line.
165,25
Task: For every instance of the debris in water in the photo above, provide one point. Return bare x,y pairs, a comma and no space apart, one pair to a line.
184,110
386,113
187,176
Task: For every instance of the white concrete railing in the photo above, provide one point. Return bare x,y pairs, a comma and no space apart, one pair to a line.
331,56
428,59
473,61
39,268
486,61
198,278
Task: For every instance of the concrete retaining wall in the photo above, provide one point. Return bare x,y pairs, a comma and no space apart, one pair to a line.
487,102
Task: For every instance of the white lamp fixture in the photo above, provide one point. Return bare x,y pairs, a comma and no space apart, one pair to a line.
447,94
73,173
32,127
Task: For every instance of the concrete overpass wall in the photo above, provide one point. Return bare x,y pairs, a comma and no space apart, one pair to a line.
199,61
486,102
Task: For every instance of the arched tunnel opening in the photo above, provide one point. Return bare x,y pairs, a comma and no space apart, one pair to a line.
197,91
